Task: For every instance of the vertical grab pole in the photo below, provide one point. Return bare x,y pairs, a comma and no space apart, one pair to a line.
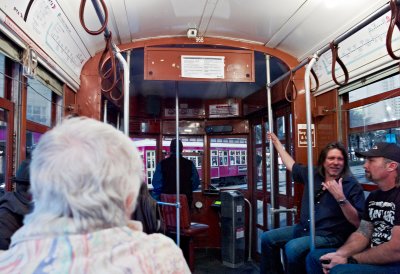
271,146
309,151
178,217
126,89
105,114
250,226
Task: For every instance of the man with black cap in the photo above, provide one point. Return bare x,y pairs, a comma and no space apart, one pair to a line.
164,178
375,246
15,205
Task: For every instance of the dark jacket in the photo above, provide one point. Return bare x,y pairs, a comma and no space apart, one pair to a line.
13,207
168,169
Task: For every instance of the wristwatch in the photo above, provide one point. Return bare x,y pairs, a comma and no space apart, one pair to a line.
343,202
351,260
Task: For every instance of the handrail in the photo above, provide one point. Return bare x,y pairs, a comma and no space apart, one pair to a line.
339,39
271,145
310,161
394,20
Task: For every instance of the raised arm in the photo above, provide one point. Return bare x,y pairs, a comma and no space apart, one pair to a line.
285,156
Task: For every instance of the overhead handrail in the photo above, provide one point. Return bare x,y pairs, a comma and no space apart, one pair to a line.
336,59
394,21
338,40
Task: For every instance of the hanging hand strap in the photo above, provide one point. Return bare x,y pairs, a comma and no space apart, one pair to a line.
335,58
394,21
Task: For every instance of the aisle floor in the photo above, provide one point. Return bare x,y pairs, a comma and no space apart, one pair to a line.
209,261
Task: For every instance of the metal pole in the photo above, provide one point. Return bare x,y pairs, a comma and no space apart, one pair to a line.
338,39
100,15
309,151
250,226
178,217
271,146
105,112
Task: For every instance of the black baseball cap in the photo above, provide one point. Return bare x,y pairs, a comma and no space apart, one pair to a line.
387,150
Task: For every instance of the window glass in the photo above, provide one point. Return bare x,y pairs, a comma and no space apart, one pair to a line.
260,215
364,141
193,149
214,158
3,149
231,171
280,121
2,74
268,159
379,112
281,166
32,138
384,85
259,174
38,103
147,149
372,123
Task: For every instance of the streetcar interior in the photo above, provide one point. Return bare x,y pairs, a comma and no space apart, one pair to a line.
203,69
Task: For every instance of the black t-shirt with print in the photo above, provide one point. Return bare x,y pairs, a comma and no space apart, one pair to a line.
383,211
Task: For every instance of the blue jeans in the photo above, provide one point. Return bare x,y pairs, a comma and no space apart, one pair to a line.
294,250
314,266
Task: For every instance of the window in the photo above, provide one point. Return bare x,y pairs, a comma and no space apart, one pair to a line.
214,158
147,150
373,116
39,103
32,138
228,162
2,74
223,158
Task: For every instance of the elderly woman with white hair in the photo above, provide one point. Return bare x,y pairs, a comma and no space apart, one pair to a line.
85,179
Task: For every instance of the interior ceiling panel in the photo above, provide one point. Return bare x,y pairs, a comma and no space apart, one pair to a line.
297,27
339,16
278,24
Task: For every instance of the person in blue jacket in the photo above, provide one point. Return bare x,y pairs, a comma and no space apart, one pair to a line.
164,178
